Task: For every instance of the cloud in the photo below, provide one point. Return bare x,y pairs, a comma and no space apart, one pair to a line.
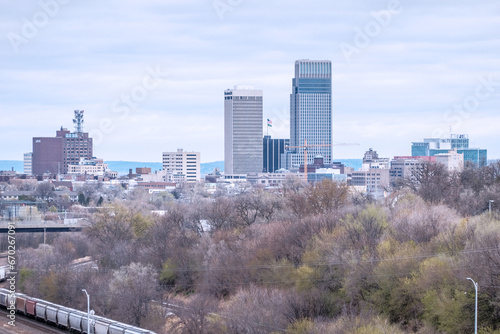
394,91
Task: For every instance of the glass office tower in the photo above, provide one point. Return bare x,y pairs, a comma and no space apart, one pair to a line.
273,150
460,142
310,112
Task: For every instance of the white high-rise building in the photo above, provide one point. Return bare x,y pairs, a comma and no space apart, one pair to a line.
243,130
182,166
28,158
310,113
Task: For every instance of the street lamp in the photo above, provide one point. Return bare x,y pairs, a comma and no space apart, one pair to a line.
489,208
88,311
475,317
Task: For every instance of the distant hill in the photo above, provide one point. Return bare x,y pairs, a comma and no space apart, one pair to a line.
9,164
208,167
354,163
122,167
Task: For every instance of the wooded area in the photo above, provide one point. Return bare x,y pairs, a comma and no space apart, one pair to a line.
301,259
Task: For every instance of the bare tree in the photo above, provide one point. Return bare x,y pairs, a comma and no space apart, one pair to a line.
114,231
24,185
327,196
413,219
44,190
365,228
219,213
270,204
246,207
132,288
434,183
197,315
257,310
224,270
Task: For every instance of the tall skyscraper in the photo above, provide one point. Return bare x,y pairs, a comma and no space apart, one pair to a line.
53,155
243,130
310,112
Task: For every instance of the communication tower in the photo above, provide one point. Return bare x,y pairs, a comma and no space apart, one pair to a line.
78,121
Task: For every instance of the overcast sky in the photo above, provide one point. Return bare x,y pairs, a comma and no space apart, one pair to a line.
151,74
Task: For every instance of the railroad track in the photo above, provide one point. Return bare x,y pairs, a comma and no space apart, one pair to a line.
24,325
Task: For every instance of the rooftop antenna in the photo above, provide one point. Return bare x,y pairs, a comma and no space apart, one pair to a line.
78,121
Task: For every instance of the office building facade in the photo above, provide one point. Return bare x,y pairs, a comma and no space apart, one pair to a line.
53,155
243,130
272,151
453,160
182,166
459,142
310,113
94,166
374,179
371,160
28,159
404,168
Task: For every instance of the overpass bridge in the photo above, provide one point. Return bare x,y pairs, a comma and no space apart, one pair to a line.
70,225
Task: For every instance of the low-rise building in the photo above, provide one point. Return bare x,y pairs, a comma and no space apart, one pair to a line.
231,178
453,160
371,160
156,186
333,174
374,173
267,179
374,179
407,168
21,195
157,176
92,166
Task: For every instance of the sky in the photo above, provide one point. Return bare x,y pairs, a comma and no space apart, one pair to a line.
151,74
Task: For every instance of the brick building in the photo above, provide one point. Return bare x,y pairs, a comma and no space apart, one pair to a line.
53,155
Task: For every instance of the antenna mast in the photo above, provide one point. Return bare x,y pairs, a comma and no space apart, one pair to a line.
78,121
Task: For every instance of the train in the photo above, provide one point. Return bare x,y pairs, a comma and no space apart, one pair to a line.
63,317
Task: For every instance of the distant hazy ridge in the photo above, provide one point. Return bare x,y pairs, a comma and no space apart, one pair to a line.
122,167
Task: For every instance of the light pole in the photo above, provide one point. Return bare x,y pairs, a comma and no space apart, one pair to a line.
88,311
475,317
489,206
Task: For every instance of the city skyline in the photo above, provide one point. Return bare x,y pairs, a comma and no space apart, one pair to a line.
149,75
